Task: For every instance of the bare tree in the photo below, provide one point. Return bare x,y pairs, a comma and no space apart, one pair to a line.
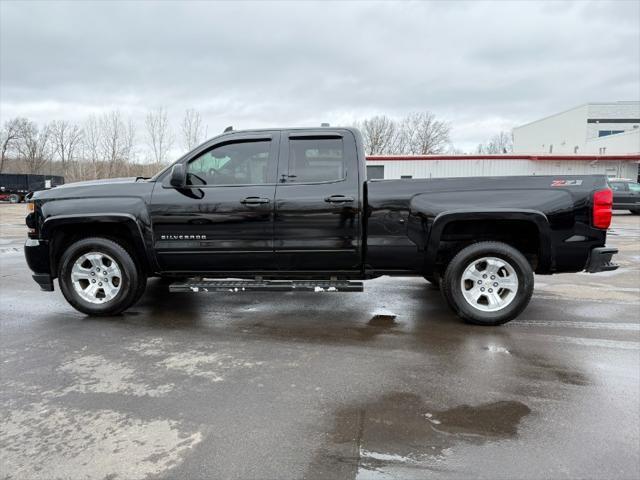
116,140
66,138
192,131
9,137
159,137
423,134
502,143
380,135
34,146
499,144
92,142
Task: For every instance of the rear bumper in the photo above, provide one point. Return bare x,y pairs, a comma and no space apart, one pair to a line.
600,260
37,254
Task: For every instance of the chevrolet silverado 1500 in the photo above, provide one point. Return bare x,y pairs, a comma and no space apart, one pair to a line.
292,210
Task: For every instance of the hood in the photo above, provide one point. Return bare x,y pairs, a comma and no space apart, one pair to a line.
89,183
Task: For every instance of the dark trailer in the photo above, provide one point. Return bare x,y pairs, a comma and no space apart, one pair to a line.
15,186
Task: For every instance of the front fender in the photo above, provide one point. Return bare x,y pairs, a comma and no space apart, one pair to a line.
132,214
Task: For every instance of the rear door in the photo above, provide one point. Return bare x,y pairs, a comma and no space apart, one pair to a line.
318,211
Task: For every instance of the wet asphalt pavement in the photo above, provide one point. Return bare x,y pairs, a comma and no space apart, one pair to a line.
382,384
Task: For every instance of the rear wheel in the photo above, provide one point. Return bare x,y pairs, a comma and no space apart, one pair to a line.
98,276
14,198
488,283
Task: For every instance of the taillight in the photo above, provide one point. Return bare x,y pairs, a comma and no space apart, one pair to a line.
602,206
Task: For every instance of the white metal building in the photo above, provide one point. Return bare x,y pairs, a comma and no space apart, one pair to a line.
442,166
594,138
589,129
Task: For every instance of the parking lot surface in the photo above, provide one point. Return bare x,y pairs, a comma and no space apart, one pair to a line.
382,384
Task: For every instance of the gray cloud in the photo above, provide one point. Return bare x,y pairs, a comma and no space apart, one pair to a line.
481,66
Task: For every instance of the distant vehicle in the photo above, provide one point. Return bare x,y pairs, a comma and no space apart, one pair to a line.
15,186
626,195
292,210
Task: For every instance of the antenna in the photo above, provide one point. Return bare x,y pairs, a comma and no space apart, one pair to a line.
228,129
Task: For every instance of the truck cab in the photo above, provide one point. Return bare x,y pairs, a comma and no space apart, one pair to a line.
288,200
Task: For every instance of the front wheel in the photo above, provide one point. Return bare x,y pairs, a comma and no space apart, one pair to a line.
98,276
488,283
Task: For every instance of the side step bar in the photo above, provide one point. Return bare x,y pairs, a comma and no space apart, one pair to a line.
214,285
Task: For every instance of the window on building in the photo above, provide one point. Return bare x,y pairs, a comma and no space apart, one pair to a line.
375,172
605,133
406,177
550,148
602,150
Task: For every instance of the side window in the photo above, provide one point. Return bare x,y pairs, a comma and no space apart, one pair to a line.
236,163
617,186
316,160
634,187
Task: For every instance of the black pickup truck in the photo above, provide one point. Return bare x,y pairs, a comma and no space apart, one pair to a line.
292,210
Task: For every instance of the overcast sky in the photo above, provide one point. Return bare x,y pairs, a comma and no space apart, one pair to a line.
484,67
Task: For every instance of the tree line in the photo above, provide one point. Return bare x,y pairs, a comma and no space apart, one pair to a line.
103,146
112,145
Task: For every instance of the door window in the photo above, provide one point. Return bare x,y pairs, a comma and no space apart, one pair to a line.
634,187
313,160
617,186
235,163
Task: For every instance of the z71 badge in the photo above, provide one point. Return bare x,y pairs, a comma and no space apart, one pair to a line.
566,183
183,237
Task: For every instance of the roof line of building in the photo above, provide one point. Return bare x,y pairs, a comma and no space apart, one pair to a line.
395,158
623,102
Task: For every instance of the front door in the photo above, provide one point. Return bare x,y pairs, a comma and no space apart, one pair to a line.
223,220
318,212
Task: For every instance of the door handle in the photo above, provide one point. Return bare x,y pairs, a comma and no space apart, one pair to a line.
338,199
254,201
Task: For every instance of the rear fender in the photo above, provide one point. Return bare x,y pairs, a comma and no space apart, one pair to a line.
431,229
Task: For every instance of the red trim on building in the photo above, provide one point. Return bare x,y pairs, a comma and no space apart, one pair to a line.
399,158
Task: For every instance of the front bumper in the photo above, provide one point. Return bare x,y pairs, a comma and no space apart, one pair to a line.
37,254
600,260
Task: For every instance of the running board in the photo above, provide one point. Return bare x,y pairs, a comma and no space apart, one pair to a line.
214,285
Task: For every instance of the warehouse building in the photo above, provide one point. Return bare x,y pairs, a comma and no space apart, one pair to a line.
589,129
594,138
443,166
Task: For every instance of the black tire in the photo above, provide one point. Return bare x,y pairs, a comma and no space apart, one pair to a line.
451,284
131,284
14,198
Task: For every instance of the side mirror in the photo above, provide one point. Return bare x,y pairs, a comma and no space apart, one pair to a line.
178,176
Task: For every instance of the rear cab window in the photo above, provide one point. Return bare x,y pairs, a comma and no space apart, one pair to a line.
316,159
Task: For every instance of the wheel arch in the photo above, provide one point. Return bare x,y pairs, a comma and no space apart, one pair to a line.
123,228
502,221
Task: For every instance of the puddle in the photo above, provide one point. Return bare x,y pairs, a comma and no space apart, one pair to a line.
400,430
382,320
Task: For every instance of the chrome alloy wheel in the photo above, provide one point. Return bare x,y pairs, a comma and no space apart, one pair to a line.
489,284
96,277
